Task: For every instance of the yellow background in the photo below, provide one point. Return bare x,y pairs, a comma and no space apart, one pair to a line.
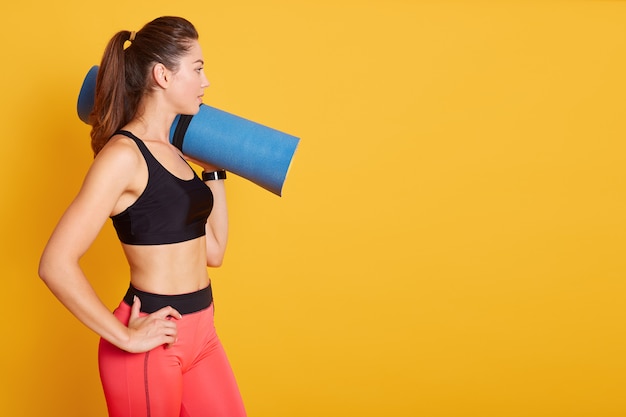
451,237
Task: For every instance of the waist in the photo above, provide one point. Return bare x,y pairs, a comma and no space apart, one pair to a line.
184,303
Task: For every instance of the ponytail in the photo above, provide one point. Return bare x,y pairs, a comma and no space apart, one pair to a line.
109,113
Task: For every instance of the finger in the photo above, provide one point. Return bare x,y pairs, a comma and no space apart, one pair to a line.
168,327
171,335
159,327
168,312
135,308
172,340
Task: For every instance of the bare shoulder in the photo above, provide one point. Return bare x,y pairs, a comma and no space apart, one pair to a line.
116,165
121,152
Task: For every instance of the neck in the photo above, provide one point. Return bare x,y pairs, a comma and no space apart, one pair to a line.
152,121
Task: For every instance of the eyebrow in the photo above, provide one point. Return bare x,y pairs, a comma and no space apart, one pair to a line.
199,61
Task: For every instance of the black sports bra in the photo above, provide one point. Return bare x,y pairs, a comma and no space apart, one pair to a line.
169,210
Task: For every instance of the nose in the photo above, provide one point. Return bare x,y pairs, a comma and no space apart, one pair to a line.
205,81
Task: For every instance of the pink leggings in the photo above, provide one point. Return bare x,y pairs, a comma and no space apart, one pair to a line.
190,379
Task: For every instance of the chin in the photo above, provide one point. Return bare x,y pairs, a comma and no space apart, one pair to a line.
196,109
191,111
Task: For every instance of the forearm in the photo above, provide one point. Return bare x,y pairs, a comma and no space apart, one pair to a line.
75,292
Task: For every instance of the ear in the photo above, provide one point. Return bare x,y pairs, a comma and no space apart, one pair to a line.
161,75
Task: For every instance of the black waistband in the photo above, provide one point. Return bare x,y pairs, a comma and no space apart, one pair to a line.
183,303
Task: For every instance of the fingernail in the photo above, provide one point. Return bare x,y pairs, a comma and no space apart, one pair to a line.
134,298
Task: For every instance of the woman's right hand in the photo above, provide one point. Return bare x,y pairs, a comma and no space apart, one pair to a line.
153,330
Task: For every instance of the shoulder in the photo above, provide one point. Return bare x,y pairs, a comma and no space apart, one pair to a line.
120,148
119,161
119,156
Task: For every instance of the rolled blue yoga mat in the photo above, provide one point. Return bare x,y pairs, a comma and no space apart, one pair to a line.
258,153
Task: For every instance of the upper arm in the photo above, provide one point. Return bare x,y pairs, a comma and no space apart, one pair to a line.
110,176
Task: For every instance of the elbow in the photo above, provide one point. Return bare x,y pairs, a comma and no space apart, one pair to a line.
215,256
214,261
52,269
44,271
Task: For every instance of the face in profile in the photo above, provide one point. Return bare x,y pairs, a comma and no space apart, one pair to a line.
187,85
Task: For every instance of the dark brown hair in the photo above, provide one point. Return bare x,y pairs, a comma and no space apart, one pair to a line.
124,74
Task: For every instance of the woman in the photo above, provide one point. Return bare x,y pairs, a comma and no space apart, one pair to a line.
159,354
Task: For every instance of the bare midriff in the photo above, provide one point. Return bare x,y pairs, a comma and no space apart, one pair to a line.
169,269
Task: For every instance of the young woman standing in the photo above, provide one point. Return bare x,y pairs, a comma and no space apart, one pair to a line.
159,354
